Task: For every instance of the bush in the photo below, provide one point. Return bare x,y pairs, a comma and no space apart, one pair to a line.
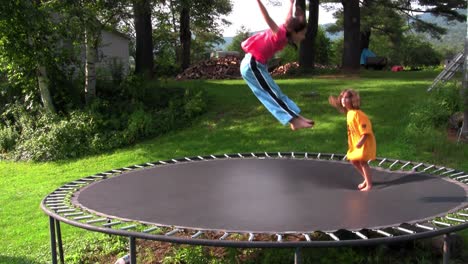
8,138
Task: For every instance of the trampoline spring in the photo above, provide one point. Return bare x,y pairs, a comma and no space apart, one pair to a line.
292,155
172,232
306,155
58,207
279,155
463,214
251,236
359,234
139,166
425,227
266,155
79,182
199,233
318,155
441,223
213,156
307,237
174,160
106,173
333,236
439,169
73,214
187,159
332,156
253,154
430,167
87,179
417,166
456,174
162,162
151,229
66,188
461,177
393,164
382,161
344,158
82,217
406,164
455,219
224,236
279,238
383,233
240,155
128,227
66,210
111,224
53,204
150,164
56,195
404,230
447,172
127,168
96,221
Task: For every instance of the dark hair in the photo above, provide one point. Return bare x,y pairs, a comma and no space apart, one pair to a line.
295,24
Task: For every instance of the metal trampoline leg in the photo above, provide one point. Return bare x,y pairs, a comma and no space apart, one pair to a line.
53,246
59,241
446,249
132,250
298,256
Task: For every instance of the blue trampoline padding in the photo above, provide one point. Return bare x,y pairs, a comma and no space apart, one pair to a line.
366,53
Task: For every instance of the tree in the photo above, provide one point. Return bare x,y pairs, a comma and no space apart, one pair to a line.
351,24
308,46
27,48
144,41
241,35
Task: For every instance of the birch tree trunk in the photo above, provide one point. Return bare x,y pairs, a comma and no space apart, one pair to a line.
43,82
90,66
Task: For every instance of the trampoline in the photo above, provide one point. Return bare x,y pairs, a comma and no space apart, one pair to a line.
259,200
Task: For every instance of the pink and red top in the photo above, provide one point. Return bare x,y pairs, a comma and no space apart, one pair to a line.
265,44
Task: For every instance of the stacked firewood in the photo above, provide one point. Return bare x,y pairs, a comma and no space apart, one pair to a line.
285,69
214,68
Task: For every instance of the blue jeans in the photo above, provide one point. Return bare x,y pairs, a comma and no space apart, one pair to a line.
267,91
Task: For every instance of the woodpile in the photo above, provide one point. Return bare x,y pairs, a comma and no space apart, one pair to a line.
214,68
285,69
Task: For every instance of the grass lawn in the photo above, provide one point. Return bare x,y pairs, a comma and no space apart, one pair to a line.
235,122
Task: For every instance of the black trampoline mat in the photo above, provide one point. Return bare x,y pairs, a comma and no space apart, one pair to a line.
271,196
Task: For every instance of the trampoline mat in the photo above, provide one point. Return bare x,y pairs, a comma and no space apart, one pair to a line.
271,196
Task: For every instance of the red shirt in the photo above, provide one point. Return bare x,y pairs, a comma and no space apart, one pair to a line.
265,44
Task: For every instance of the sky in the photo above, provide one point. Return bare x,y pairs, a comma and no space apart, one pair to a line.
247,13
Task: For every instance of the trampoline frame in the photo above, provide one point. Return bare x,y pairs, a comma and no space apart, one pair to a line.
57,205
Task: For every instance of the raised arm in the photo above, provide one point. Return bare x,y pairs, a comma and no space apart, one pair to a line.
273,26
291,8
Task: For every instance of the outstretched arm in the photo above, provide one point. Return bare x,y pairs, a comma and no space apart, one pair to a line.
273,26
290,12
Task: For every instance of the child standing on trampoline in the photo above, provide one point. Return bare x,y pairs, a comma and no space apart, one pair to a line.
361,139
261,47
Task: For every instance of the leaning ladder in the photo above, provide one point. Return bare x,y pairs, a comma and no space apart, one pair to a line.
449,71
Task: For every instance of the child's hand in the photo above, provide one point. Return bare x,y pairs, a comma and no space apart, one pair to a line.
359,145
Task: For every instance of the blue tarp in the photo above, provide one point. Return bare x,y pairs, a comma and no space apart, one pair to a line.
364,54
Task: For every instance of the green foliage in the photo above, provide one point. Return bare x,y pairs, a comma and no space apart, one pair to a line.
92,247
8,138
323,50
241,35
192,255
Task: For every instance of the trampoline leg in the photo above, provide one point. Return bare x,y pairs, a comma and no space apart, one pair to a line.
446,249
132,250
53,246
59,241
298,256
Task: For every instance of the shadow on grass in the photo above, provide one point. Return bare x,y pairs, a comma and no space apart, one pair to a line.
17,260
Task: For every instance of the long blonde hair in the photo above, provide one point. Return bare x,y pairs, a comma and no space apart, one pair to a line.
355,100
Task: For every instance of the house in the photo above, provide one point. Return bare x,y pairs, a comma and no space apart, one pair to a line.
113,59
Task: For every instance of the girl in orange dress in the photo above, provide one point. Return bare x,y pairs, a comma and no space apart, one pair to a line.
361,139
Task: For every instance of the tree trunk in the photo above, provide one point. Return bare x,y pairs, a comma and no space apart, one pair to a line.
365,39
144,38
351,51
43,82
185,36
464,89
90,66
308,45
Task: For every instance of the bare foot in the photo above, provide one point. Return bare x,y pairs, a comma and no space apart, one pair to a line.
362,185
367,188
298,123
307,120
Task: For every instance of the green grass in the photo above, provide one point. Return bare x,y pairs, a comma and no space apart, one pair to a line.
235,122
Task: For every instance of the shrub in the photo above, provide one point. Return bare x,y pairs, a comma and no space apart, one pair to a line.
8,138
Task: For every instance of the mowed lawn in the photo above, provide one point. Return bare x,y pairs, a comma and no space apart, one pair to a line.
235,122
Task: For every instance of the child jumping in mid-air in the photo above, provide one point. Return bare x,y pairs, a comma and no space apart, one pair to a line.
259,49
361,139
